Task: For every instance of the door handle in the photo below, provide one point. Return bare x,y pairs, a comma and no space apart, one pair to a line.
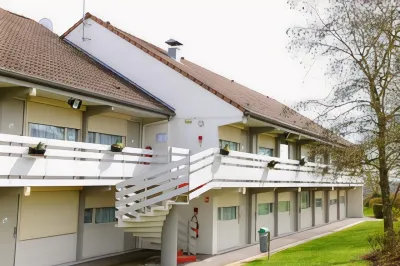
15,232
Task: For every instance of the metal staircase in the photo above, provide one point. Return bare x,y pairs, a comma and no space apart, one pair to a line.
144,201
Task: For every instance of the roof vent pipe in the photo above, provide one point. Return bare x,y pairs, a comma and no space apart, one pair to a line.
174,49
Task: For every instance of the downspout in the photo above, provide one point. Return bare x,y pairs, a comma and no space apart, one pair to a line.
150,124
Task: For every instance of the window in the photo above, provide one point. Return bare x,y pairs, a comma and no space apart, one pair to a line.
226,213
233,146
106,139
265,151
265,208
105,215
101,215
283,206
88,219
318,202
53,132
341,199
333,201
305,199
161,137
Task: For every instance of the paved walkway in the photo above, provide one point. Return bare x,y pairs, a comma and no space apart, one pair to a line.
252,252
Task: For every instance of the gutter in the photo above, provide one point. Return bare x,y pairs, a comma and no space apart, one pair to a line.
288,126
73,90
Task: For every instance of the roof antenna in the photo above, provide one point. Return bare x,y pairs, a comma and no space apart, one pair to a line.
84,24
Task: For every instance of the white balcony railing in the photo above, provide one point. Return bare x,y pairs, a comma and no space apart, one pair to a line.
71,160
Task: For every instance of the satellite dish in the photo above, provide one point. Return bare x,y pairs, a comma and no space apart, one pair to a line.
47,23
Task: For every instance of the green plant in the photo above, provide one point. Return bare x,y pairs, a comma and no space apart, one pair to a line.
366,202
378,211
374,201
118,145
40,146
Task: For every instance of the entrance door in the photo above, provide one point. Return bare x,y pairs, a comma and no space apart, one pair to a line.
8,228
228,228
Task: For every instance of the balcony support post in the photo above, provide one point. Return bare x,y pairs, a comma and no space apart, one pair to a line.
313,207
327,205
276,223
169,239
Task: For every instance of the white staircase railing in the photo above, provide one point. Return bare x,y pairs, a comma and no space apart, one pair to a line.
158,185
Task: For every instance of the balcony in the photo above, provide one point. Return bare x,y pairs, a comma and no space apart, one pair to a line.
69,163
78,163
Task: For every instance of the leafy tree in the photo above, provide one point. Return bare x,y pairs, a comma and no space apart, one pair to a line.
360,40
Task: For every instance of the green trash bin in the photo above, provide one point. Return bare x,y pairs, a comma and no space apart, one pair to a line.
265,238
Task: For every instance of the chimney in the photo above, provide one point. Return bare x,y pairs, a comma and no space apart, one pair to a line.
174,49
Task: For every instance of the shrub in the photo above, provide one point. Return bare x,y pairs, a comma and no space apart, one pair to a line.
366,202
378,210
374,201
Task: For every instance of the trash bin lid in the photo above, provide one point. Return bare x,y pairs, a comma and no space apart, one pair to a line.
263,230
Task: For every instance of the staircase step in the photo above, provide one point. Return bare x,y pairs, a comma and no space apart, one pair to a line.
143,229
148,235
146,219
141,223
155,213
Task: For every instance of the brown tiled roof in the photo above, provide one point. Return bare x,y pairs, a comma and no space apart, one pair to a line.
243,98
28,49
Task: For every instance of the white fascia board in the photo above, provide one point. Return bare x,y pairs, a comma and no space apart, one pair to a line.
57,182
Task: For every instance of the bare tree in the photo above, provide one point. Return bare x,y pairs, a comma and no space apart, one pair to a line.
361,41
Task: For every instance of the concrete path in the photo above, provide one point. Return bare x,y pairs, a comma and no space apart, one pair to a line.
235,258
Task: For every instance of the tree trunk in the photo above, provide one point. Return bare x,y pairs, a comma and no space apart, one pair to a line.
387,204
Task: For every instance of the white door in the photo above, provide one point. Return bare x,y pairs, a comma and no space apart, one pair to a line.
8,228
228,228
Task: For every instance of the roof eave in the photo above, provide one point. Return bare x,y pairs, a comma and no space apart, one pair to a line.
289,127
69,89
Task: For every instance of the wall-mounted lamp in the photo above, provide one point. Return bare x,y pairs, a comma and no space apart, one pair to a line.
27,191
32,92
299,189
75,103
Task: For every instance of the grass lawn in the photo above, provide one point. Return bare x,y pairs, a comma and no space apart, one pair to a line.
341,248
368,212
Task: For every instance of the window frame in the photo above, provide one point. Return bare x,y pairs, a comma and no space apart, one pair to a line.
270,208
271,150
287,209
66,129
222,144
97,138
307,203
221,216
319,200
342,199
93,216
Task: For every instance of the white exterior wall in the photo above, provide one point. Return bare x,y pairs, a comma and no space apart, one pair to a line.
320,211
232,233
333,208
189,99
206,218
102,239
286,219
306,218
343,205
355,206
265,220
46,251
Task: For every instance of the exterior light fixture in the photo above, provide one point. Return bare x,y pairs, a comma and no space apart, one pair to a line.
27,191
75,103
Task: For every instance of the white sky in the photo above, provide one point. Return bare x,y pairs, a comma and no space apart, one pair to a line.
244,40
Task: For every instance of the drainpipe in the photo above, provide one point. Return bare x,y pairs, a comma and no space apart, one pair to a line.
150,124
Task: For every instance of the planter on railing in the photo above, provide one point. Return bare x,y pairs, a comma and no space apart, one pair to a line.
117,147
38,150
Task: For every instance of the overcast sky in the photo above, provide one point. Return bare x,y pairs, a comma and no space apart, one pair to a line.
244,40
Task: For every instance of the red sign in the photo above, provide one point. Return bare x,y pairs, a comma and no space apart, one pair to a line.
206,199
